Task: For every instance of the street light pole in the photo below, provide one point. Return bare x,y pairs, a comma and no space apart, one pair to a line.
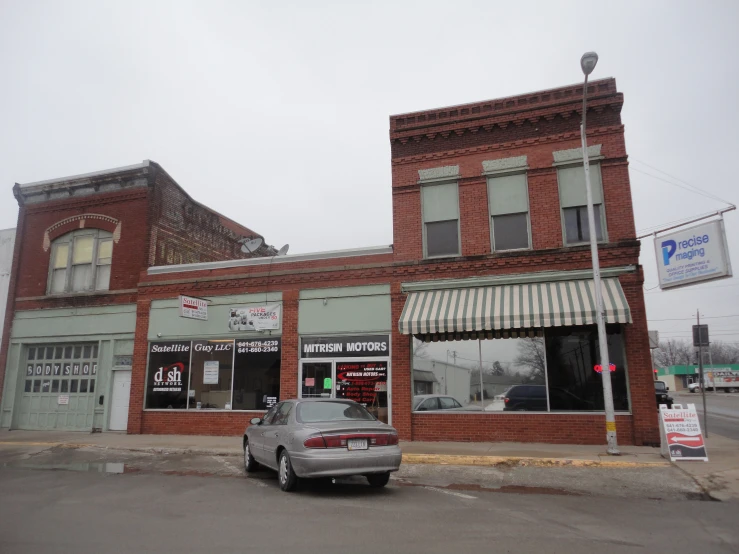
587,63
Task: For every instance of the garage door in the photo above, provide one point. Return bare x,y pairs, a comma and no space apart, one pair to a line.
59,387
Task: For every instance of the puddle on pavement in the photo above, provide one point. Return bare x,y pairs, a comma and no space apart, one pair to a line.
92,467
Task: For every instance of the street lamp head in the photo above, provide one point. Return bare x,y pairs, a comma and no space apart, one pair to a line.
588,61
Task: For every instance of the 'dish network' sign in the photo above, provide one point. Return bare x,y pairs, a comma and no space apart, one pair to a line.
692,255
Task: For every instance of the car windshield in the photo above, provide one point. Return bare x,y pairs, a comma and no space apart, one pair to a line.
417,400
659,385
313,412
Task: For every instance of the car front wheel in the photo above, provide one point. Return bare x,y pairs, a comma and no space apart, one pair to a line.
286,475
250,464
378,480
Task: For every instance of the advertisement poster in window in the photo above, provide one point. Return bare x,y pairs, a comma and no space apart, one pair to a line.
363,382
210,372
166,384
256,373
255,318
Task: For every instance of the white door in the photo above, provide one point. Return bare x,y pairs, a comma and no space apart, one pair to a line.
119,401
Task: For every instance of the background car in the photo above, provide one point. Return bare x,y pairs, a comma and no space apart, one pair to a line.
525,398
434,402
317,437
661,390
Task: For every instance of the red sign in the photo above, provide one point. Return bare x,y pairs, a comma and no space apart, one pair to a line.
599,368
360,381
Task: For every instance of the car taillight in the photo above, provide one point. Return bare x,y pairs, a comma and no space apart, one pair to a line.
314,442
373,439
506,400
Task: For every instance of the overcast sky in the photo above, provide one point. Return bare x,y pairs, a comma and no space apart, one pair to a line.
276,113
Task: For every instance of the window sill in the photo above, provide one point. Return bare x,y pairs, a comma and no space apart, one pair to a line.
493,413
204,410
78,294
443,257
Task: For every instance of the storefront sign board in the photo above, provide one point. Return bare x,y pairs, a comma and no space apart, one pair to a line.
692,255
682,439
358,346
255,318
193,308
361,381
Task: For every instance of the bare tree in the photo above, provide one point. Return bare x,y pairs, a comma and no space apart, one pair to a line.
673,352
531,355
724,353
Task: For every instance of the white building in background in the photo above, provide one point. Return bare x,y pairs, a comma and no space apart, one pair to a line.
452,380
7,241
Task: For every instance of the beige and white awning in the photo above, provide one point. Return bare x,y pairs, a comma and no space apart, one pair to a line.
506,307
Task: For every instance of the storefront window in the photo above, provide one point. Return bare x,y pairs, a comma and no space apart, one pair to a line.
553,371
216,374
211,369
446,375
353,367
574,385
256,374
169,372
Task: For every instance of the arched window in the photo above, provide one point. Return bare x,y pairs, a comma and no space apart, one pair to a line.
80,261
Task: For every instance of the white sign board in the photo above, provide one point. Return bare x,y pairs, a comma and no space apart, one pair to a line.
682,439
210,372
653,339
255,318
62,399
692,255
194,308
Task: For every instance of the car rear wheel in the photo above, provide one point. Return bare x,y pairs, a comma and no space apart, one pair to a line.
731,389
378,480
286,475
250,464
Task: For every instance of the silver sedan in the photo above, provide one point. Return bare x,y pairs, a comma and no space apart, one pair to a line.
311,438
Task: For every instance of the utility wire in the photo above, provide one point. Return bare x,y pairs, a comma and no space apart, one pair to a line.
697,190
693,319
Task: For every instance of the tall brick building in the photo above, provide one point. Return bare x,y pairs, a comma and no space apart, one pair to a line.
81,245
477,323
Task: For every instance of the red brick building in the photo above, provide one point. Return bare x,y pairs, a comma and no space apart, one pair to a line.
476,324
81,244
489,267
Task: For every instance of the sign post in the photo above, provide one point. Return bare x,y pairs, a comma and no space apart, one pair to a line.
681,434
700,339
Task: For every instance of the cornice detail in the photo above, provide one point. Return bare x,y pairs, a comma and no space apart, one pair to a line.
82,218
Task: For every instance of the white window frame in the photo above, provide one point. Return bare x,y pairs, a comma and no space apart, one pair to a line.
424,222
489,178
68,239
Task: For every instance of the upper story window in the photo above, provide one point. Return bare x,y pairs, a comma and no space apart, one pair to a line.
508,203
574,201
440,220
80,261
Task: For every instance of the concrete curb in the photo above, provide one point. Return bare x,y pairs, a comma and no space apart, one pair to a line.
448,459
436,459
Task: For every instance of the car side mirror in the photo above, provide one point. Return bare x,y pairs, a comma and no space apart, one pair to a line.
256,421
667,388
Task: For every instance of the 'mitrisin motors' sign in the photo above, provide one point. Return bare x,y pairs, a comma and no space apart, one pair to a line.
692,255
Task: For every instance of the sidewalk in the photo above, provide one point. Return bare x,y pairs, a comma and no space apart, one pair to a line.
719,477
445,453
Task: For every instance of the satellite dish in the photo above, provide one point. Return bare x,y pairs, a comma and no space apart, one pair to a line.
249,246
282,251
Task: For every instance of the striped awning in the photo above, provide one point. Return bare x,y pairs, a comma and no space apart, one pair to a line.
526,306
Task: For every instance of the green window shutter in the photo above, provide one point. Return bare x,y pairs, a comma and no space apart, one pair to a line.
572,185
440,202
508,194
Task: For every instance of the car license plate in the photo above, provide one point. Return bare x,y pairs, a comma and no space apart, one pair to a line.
356,444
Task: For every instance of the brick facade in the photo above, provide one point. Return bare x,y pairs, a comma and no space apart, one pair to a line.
148,212
533,125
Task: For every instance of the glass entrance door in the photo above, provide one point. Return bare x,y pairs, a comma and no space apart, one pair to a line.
317,380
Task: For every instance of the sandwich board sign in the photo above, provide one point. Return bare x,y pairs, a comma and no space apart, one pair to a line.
682,439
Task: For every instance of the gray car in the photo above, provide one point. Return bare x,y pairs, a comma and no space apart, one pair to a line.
317,437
